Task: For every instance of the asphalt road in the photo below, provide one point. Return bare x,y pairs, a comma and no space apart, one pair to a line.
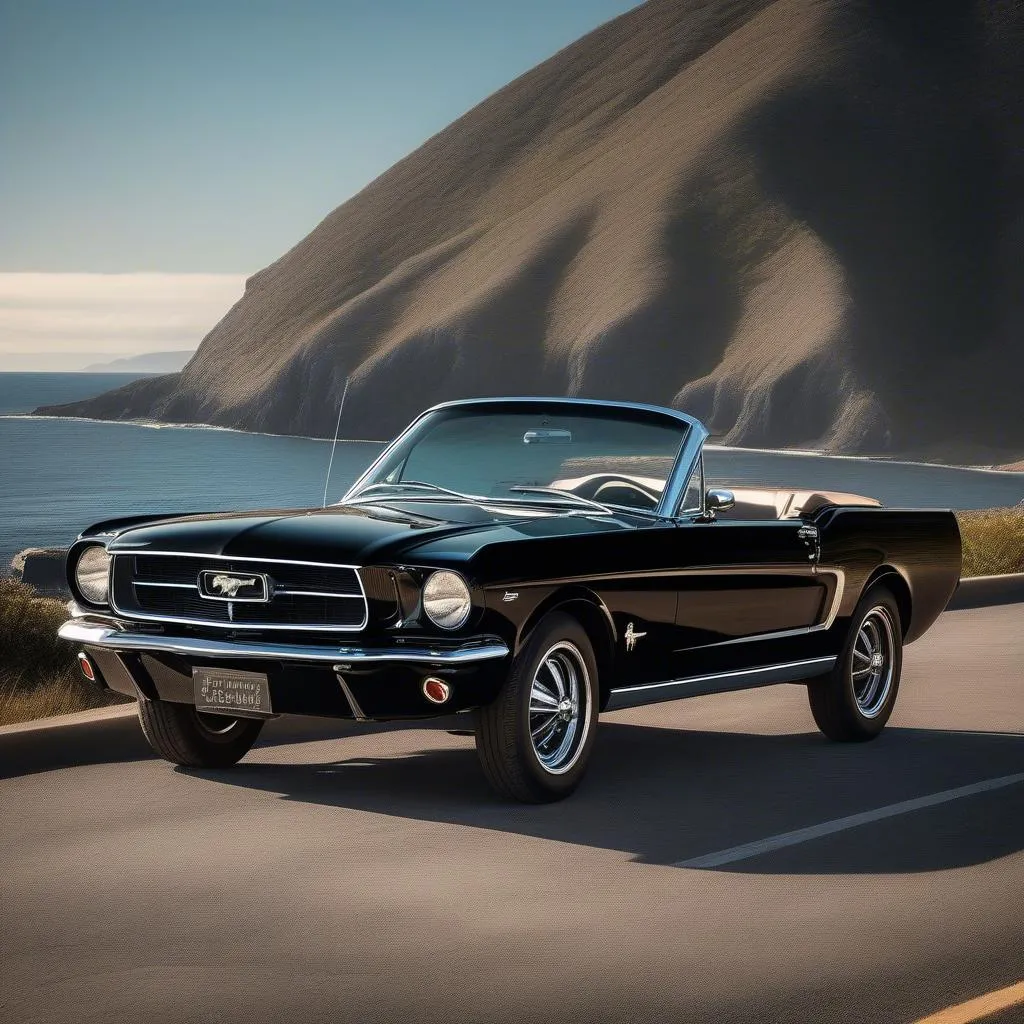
343,875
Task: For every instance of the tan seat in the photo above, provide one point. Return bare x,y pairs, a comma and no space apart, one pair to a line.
767,503
806,503
756,503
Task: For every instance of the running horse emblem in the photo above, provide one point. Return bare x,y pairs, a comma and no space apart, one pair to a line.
229,586
632,636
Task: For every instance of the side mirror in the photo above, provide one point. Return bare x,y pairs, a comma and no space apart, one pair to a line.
719,501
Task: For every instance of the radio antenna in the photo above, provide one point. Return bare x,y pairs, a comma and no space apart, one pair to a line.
337,430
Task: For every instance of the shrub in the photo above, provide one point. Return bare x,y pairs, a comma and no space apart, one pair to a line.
993,541
38,672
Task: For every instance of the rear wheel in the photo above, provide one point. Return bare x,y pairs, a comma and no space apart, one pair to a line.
182,735
535,738
854,701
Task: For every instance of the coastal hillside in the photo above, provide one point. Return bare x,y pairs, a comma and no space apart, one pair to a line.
801,221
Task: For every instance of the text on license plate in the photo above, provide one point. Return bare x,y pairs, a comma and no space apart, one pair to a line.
231,690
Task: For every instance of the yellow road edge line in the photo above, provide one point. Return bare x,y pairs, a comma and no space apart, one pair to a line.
979,1007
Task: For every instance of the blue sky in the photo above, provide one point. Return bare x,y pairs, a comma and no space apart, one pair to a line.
154,153
207,136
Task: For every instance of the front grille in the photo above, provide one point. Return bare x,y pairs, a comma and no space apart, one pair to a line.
166,587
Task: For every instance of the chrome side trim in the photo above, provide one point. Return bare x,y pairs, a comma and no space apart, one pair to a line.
781,634
802,569
95,635
765,675
837,596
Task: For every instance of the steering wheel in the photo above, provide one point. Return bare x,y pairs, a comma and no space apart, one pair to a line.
623,491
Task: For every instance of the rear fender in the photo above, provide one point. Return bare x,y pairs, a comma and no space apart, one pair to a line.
891,578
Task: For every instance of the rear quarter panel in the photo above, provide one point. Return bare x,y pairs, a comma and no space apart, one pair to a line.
922,546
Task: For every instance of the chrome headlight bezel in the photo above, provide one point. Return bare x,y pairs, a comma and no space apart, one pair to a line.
89,575
448,594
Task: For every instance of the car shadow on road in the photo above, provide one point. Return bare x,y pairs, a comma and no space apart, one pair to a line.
120,740
665,796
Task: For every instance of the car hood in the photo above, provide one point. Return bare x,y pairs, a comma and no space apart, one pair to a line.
352,535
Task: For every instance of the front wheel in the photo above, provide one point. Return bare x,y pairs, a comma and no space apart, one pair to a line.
854,701
535,738
182,735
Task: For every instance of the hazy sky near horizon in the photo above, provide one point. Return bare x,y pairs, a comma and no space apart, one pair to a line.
199,137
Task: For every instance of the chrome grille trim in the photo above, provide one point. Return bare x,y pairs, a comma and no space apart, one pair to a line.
286,593
144,616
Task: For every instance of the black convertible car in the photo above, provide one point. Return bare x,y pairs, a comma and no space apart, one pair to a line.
531,561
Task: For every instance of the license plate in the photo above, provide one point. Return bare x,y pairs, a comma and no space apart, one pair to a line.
230,691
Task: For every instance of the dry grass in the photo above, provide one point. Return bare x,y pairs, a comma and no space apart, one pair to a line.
38,673
993,541
58,697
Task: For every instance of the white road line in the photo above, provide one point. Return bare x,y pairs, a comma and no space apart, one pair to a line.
827,828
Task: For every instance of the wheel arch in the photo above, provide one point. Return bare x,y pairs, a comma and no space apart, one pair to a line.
593,615
890,577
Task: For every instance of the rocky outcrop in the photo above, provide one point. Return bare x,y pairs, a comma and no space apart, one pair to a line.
42,569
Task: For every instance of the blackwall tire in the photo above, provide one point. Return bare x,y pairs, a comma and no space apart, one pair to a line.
534,740
854,701
182,735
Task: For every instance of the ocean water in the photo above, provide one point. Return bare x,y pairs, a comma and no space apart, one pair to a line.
58,476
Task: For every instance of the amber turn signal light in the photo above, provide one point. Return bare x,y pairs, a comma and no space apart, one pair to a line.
86,666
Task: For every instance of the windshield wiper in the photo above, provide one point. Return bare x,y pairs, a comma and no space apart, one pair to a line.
567,496
419,485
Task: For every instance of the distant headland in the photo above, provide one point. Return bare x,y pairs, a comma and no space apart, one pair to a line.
148,362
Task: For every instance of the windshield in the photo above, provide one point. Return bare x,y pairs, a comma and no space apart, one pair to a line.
581,453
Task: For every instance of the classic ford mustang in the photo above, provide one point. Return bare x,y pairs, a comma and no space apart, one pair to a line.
532,561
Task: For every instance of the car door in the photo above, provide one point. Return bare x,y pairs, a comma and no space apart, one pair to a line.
741,584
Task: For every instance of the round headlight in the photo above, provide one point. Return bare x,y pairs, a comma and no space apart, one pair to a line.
92,573
446,599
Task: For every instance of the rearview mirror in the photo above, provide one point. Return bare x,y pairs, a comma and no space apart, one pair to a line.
719,500
543,435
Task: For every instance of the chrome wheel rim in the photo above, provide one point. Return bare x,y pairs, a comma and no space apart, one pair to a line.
215,725
872,668
559,717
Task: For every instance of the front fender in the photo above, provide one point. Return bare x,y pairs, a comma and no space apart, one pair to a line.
563,596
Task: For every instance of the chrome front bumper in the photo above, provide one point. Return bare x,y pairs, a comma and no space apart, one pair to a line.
466,653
